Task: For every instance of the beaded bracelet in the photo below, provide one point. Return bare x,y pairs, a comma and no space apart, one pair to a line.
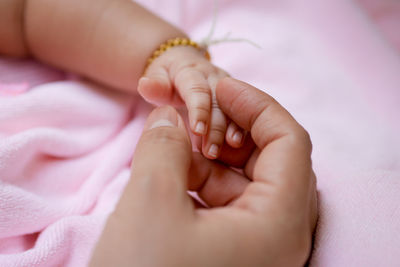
179,41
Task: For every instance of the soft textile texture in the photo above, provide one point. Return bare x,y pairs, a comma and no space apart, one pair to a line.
66,145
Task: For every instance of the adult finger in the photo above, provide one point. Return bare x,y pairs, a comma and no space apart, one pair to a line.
161,163
238,157
215,183
284,162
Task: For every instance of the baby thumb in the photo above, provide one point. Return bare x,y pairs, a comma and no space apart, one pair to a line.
156,88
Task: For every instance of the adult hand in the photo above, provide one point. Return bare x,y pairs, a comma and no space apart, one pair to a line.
262,217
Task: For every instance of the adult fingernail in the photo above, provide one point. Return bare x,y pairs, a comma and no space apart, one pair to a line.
162,123
237,137
213,151
200,128
162,117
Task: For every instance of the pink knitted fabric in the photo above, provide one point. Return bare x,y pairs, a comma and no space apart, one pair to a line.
66,145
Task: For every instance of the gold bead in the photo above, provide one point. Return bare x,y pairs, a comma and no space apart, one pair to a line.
163,47
157,53
184,42
176,42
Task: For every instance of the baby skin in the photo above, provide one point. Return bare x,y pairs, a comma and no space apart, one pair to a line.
109,41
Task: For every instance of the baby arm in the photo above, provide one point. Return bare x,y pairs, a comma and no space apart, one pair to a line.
106,40
110,41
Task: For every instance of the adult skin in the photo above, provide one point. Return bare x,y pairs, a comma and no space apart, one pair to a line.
263,217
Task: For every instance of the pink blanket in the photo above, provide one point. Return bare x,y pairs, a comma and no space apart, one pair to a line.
66,145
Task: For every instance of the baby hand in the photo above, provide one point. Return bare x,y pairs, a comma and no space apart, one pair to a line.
182,74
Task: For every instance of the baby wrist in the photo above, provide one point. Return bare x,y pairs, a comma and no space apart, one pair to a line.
174,42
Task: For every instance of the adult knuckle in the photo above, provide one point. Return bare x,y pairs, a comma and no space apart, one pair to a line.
302,137
241,102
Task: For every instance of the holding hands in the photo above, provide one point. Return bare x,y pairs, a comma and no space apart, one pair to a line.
183,74
262,216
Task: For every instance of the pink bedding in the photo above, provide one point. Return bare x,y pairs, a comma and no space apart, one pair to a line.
66,145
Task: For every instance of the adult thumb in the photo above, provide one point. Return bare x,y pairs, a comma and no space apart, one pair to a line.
161,163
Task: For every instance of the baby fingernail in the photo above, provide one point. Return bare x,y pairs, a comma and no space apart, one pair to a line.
200,128
237,137
143,80
213,151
